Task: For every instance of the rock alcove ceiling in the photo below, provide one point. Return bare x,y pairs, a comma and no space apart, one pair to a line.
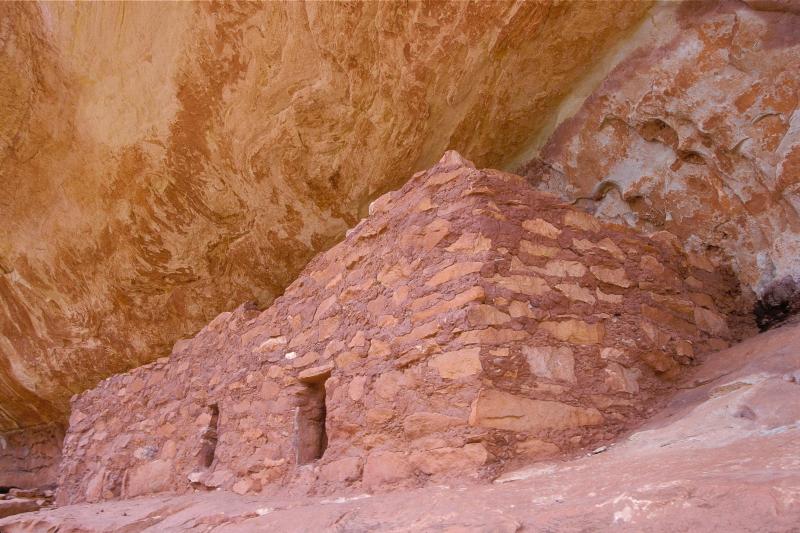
162,163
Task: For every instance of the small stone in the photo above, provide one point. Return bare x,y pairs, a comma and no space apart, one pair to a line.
341,470
702,299
355,390
612,276
538,250
528,285
486,315
242,486
491,335
519,309
450,459
654,334
613,354
651,265
324,307
576,292
453,272
345,359
700,261
316,374
661,362
473,294
15,506
470,242
711,322
561,268
608,298
379,348
359,340
307,359
621,379
425,423
501,410
378,416
679,305
575,331
665,318
385,468
334,347
457,364
694,283
389,384
551,362
424,205
420,332
611,247
541,227
432,234
536,449
148,478
581,220
684,348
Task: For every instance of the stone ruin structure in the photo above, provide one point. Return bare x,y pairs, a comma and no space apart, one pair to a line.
29,457
469,322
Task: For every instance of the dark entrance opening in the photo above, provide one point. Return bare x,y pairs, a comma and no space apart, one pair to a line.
209,438
310,416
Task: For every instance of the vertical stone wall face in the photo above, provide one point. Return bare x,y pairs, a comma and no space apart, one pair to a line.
469,321
29,457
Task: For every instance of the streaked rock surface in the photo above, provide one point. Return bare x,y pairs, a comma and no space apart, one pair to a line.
163,162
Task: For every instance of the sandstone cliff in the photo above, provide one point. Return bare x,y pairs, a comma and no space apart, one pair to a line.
696,131
161,163
164,162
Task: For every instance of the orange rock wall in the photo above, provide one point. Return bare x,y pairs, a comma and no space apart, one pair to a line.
162,162
470,321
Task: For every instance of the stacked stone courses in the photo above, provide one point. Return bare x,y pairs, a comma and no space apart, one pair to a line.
467,324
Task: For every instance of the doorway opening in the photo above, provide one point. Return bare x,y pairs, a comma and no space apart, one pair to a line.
310,417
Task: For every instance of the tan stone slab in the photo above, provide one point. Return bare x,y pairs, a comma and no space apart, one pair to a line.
501,410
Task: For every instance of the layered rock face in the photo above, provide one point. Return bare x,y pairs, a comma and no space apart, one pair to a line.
163,162
470,321
696,131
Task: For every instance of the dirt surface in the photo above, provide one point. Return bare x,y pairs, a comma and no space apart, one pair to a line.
724,455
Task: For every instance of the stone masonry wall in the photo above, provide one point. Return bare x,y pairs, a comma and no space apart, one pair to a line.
29,457
470,321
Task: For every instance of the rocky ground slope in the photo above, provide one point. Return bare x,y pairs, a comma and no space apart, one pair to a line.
724,455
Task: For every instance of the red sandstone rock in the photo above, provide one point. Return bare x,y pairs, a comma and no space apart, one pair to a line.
18,505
